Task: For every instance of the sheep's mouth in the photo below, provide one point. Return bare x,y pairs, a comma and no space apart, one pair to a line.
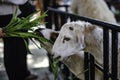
58,57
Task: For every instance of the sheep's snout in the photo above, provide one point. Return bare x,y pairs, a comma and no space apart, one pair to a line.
56,56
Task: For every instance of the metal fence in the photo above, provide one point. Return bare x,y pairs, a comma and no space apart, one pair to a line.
89,59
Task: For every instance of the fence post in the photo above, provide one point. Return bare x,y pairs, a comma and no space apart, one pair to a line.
114,55
105,53
92,67
86,66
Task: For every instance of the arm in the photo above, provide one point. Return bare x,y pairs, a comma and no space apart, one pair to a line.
17,2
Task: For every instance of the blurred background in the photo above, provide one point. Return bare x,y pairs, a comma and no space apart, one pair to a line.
38,62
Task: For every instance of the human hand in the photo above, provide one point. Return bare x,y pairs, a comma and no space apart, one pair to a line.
1,33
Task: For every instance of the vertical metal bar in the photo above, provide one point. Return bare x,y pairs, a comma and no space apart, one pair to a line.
105,53
63,19
66,8
114,55
86,66
48,19
71,18
92,68
56,21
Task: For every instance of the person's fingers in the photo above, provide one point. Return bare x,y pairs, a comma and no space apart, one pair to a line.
1,33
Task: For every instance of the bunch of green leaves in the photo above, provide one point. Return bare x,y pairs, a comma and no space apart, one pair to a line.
22,27
18,27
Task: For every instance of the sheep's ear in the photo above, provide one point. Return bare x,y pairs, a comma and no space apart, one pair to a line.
80,40
53,36
89,28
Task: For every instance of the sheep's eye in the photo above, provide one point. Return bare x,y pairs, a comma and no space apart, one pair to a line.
71,28
66,39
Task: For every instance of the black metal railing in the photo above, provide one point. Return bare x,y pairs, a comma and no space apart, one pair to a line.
89,59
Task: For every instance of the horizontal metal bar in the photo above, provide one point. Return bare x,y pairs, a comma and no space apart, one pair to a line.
93,21
65,5
114,2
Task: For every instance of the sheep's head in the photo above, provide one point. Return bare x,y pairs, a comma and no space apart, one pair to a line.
71,39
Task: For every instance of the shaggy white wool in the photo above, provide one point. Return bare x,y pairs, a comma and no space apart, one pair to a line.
96,9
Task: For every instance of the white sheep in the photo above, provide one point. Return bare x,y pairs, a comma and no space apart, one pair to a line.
96,9
73,39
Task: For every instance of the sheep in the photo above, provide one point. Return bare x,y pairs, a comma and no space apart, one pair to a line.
96,9
75,38
48,34
52,35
